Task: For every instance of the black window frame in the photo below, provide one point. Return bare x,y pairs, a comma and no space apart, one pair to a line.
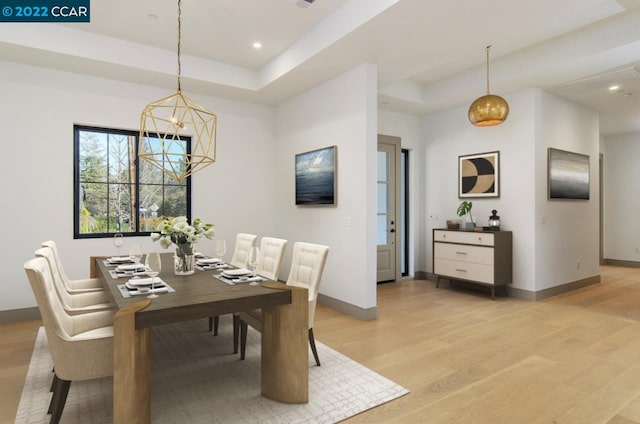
77,128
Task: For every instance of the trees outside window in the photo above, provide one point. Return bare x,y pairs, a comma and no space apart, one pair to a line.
117,193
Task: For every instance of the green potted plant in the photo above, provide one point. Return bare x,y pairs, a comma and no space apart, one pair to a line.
465,209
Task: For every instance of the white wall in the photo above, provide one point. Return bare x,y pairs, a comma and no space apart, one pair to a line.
339,112
567,231
537,120
38,109
622,197
408,128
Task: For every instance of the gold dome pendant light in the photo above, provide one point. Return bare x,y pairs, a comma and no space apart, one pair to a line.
490,109
164,122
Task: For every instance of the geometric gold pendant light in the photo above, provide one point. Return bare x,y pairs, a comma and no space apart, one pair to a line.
164,122
489,109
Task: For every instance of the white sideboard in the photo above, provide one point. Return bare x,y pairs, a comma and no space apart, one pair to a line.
482,257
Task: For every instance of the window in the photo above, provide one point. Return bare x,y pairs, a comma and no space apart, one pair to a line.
117,193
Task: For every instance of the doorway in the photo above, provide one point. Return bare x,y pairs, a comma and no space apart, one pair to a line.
389,218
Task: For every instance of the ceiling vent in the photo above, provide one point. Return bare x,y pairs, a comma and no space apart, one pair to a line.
305,3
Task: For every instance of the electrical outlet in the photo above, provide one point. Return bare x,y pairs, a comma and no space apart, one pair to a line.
637,249
578,264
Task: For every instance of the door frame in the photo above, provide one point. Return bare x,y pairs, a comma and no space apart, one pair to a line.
399,222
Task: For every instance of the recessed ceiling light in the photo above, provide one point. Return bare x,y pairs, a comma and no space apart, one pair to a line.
614,88
257,45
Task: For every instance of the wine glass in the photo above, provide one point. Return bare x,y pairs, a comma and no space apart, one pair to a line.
135,253
153,266
118,241
221,249
254,259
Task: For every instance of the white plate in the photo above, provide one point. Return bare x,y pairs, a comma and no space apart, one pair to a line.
158,284
208,261
120,259
143,282
130,267
236,272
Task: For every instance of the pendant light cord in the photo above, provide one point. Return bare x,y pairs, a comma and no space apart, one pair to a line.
179,39
487,48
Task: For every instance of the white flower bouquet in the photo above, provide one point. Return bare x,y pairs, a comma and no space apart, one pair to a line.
178,231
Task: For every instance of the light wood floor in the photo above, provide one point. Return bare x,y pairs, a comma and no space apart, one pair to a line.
573,358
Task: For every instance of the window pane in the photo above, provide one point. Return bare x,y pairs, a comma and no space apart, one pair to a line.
150,206
92,149
93,208
383,166
119,159
174,204
382,229
383,197
120,209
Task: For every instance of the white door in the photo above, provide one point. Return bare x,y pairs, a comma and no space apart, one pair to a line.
388,252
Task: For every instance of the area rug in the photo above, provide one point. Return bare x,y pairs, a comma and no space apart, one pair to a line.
197,379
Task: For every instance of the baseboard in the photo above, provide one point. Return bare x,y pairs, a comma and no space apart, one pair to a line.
567,287
618,262
521,293
349,309
422,275
24,314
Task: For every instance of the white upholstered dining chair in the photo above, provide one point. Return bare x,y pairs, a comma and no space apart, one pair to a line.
81,345
74,302
271,253
307,265
72,286
240,256
240,259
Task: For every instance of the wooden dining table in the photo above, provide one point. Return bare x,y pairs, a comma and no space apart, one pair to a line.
284,352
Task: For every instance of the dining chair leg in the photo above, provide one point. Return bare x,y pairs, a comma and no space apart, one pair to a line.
312,343
53,383
236,331
59,399
53,389
210,324
243,338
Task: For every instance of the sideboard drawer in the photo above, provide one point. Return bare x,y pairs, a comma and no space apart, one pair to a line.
464,253
465,237
464,270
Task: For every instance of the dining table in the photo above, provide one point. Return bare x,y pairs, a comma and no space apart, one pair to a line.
284,352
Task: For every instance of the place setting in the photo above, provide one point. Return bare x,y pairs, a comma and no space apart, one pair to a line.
128,270
243,275
151,286
204,263
239,276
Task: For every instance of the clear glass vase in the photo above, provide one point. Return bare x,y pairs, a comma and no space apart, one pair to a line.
184,260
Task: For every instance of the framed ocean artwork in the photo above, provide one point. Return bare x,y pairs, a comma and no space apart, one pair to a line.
316,177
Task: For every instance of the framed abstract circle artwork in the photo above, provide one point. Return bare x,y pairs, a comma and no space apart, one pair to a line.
479,175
